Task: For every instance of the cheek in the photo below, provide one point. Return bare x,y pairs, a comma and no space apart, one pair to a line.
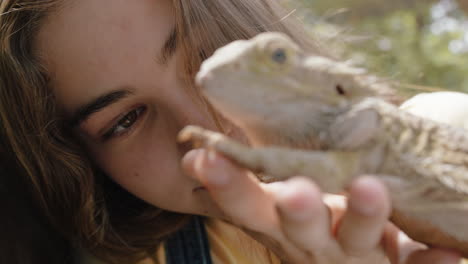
149,166
145,162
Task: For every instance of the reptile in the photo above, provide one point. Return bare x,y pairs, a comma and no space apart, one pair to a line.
309,115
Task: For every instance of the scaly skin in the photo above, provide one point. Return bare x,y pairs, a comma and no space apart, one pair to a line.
308,115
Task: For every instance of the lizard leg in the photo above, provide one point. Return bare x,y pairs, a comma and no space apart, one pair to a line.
330,170
211,140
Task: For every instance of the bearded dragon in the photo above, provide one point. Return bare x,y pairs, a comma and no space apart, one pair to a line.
313,116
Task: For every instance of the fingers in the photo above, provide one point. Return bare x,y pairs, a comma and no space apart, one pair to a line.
362,226
304,217
307,222
237,193
402,250
398,245
243,200
293,214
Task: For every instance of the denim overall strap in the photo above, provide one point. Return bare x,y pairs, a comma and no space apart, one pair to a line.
189,245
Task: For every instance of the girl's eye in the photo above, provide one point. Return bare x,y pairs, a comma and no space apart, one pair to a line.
124,124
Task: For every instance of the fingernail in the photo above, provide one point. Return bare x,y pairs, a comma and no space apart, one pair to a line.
363,207
364,195
189,162
191,156
212,170
296,205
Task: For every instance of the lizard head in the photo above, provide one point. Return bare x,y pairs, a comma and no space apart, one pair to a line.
269,83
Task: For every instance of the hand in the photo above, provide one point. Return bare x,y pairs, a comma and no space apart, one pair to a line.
299,224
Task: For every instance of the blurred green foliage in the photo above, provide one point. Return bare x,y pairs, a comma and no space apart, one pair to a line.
423,43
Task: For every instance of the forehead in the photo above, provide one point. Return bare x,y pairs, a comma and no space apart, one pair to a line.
90,45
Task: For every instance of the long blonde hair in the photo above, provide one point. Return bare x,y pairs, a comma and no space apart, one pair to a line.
75,197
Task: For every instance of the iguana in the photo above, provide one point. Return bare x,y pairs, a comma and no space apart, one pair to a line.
312,116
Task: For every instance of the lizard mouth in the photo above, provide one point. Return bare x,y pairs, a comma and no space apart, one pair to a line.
201,78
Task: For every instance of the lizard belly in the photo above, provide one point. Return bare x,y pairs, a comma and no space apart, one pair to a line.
429,212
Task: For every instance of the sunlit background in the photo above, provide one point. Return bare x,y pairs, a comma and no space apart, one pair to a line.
421,43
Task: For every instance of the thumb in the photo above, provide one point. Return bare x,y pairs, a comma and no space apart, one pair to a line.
236,191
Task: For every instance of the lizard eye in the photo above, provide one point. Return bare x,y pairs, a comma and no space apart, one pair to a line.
279,56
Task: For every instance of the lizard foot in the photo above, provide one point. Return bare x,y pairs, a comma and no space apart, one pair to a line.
200,137
240,153
329,169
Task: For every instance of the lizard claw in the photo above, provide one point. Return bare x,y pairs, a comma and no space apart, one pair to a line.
199,136
189,133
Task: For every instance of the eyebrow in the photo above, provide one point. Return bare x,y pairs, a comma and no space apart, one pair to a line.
96,105
169,47
83,112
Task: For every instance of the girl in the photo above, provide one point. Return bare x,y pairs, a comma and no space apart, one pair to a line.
92,95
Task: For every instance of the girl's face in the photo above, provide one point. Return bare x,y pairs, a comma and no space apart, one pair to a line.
116,73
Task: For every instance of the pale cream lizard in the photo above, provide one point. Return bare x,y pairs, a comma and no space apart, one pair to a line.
312,116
